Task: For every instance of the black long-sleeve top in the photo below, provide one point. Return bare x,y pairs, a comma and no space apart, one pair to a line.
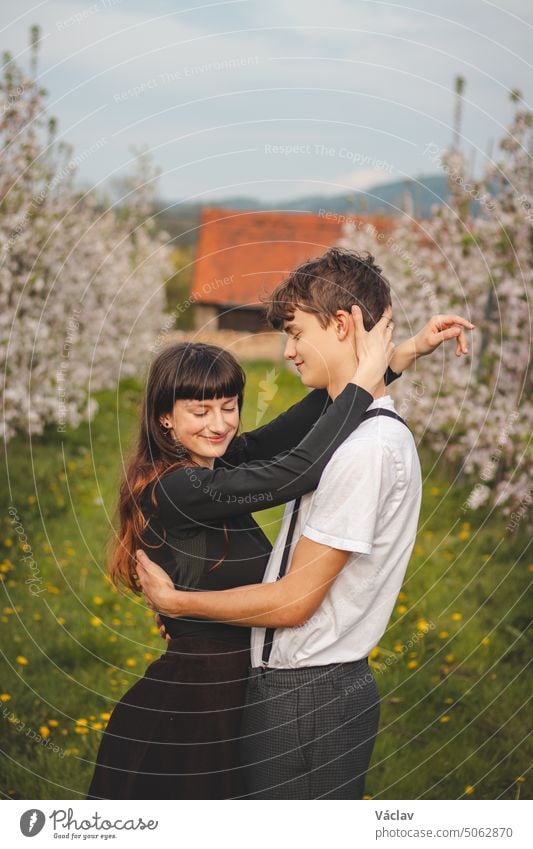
203,515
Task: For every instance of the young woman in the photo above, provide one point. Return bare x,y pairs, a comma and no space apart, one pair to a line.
186,501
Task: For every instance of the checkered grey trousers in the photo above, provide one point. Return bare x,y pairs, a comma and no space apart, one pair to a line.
309,733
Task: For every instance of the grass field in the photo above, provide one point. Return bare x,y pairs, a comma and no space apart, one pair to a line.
451,667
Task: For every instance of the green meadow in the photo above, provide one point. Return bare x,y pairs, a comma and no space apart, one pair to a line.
450,668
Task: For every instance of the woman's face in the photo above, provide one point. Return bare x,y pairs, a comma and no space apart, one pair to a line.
205,428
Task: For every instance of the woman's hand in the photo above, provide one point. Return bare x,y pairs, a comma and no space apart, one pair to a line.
162,629
374,349
439,329
157,586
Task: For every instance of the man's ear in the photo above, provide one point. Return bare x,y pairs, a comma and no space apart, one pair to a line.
343,324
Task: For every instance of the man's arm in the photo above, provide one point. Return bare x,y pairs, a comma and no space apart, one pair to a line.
342,519
438,329
283,604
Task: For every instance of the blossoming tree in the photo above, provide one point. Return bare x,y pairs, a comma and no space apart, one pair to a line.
474,257
81,285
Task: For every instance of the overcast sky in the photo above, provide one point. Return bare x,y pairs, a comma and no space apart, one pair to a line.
270,98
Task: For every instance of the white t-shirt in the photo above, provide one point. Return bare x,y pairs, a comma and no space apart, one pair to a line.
367,503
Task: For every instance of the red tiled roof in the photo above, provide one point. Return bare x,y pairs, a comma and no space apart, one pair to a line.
242,256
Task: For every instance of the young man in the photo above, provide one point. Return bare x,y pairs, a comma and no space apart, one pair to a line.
312,707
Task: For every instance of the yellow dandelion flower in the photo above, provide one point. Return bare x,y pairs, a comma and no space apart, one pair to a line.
423,625
72,751
81,721
148,613
485,641
449,658
131,661
37,617
98,599
444,635
402,596
97,726
5,697
435,490
96,621
105,716
148,655
493,676
401,609
31,499
419,549
8,542
23,661
520,779
53,723
464,535
44,731
466,526
374,653
368,797
456,617
412,654
154,630
81,729
398,647
412,664
116,621
112,638
445,718
8,610
60,620
469,789
448,701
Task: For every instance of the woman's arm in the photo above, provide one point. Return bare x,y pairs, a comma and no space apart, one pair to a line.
187,496
281,434
439,329
285,431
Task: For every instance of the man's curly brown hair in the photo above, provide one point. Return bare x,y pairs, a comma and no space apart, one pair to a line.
331,282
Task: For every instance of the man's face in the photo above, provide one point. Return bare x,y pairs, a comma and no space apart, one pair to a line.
316,352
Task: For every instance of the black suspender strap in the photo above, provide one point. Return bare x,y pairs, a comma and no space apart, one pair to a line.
269,634
380,411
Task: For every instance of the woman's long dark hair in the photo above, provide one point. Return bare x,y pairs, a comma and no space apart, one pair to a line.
189,371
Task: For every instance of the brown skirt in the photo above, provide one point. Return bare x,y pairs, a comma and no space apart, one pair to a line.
175,734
